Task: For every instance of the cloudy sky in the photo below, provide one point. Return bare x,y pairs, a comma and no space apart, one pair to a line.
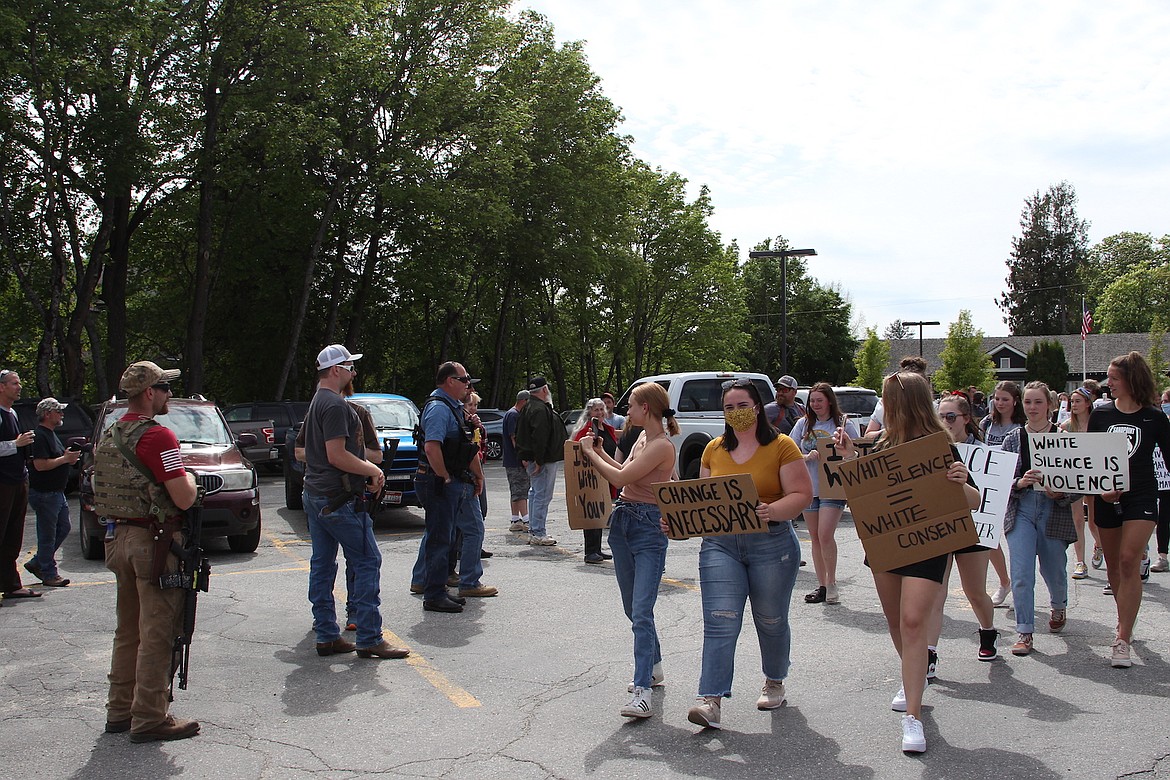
899,139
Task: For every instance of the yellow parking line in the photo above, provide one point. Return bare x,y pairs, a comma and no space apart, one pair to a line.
680,583
456,695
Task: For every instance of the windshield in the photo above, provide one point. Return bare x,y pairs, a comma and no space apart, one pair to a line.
191,424
857,403
390,413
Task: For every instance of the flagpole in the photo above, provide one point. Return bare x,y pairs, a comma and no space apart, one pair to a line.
1084,337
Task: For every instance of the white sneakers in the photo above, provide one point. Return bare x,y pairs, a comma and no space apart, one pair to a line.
832,594
657,678
1000,595
518,526
913,738
639,706
541,541
899,702
772,696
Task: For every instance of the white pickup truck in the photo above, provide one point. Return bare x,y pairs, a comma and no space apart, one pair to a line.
697,398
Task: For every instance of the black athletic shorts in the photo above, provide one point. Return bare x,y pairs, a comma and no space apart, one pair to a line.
931,569
1131,506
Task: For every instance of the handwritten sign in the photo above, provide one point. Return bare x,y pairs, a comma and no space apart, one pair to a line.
710,507
829,485
586,491
993,472
1160,472
1087,463
904,508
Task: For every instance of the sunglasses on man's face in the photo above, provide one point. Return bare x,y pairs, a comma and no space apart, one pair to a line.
162,387
464,379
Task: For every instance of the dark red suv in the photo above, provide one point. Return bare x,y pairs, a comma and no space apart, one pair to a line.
231,505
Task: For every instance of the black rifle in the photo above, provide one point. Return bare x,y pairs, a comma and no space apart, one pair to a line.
193,576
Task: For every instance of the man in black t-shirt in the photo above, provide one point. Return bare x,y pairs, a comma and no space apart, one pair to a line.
46,491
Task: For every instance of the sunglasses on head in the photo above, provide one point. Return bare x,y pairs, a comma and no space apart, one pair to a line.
740,382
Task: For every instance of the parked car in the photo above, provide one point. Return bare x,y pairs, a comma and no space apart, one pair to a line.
283,414
570,418
77,425
231,504
395,417
857,402
697,398
493,423
263,452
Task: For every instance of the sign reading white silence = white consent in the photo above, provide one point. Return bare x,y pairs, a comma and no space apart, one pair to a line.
993,472
1087,463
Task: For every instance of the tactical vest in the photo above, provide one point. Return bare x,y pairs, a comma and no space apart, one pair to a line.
458,451
119,488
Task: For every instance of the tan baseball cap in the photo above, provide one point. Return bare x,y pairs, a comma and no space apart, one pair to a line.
141,375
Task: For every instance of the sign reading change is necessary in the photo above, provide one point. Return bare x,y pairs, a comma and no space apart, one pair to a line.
1086,463
710,507
586,491
904,508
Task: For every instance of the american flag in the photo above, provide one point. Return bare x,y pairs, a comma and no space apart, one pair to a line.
1086,323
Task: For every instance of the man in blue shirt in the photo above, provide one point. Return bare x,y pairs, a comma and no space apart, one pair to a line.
518,482
448,483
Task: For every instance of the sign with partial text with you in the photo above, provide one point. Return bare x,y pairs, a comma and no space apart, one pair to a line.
586,491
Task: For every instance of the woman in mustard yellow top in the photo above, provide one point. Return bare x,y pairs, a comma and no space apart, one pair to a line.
761,566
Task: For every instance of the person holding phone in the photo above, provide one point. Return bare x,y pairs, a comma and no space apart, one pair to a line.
593,423
46,492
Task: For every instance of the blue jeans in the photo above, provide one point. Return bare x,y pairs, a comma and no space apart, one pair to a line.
456,508
540,493
1027,542
731,569
52,512
354,533
639,553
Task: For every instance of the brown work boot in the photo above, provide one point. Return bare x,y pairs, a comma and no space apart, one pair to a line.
117,726
171,728
478,590
338,645
382,650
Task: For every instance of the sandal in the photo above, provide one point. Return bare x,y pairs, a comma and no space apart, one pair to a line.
815,597
23,593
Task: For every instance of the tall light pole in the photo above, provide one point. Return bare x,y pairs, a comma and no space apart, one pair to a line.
920,324
784,254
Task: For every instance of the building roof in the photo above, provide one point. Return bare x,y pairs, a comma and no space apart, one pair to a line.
1100,348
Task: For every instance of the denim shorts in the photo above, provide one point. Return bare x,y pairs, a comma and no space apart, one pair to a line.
819,502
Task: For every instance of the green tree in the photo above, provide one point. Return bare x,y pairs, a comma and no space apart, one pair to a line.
820,341
1133,301
1043,295
1115,255
964,363
1047,363
896,330
871,360
1156,356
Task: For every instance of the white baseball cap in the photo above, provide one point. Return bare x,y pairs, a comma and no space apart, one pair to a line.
333,355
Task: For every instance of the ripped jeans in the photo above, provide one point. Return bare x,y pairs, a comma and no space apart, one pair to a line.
732,569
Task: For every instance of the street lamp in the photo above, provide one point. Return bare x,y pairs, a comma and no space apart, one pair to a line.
920,324
784,255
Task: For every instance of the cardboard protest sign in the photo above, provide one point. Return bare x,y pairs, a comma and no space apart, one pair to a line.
586,491
993,472
710,507
1088,463
904,508
829,482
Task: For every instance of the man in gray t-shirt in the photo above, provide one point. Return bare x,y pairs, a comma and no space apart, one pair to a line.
334,448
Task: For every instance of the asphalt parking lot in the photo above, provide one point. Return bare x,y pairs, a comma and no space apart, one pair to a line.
528,684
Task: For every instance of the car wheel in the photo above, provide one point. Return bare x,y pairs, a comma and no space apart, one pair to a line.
93,545
495,448
293,486
245,543
692,469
